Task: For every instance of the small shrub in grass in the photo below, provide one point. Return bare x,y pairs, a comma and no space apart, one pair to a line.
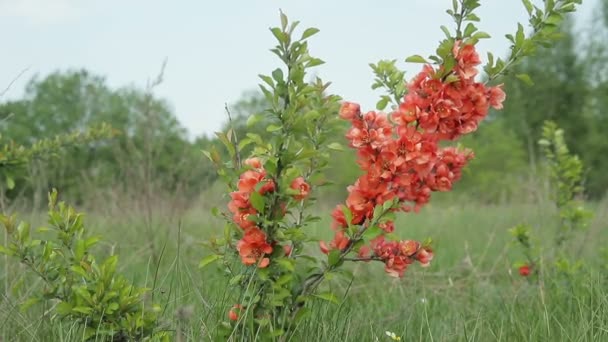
80,289
404,155
566,191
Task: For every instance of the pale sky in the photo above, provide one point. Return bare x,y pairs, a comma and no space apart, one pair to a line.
216,49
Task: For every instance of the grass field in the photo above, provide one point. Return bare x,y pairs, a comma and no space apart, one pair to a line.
471,292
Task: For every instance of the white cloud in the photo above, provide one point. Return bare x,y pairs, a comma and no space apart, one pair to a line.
40,12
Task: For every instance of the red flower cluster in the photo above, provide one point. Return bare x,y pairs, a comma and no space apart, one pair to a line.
397,255
451,109
254,245
400,153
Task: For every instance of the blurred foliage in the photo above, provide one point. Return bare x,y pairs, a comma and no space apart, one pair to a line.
570,87
499,169
14,157
151,147
565,175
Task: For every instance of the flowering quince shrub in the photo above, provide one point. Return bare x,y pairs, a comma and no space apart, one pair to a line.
405,153
566,179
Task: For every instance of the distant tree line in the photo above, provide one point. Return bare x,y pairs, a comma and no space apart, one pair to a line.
151,152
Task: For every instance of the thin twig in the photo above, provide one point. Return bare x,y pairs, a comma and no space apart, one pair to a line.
232,131
10,84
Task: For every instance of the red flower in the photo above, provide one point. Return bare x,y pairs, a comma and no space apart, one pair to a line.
241,218
240,206
497,96
233,314
424,256
372,130
250,179
339,220
388,226
350,110
467,60
287,249
240,200
364,252
340,242
253,246
303,187
525,270
254,163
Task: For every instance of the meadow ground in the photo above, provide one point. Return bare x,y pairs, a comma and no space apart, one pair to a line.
471,292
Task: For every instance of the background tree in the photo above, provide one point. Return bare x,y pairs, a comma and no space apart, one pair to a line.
152,147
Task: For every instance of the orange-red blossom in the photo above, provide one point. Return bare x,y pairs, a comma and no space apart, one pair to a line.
234,312
254,247
401,156
525,270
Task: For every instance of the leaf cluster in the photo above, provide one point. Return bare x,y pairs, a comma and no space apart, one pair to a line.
82,290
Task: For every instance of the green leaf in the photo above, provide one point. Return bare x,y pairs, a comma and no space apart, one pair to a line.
286,264
469,30
208,260
28,303
481,35
254,119
335,146
93,240
284,20
279,35
416,59
519,36
447,33
236,279
224,139
529,6
268,80
313,62
348,215
380,105
372,232
10,182
525,78
273,128
257,201
83,309
309,32
79,270
284,279
63,308
333,258
302,314
472,17
277,75
6,251
328,296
